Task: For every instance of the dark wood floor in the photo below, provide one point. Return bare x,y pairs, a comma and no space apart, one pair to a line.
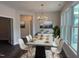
62,54
9,51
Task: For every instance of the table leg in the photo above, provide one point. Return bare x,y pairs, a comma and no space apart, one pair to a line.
40,52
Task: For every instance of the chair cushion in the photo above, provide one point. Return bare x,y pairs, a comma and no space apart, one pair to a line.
55,50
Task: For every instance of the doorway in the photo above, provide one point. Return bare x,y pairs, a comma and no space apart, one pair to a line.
26,25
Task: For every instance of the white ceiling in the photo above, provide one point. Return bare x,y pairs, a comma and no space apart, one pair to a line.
35,6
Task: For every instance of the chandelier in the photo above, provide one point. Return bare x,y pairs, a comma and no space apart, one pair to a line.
42,16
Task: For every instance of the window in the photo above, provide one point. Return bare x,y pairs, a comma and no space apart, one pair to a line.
62,26
74,33
69,26
74,38
65,25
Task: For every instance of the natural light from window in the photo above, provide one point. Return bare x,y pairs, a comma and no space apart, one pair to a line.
74,37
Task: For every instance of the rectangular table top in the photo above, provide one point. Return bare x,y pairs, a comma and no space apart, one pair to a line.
42,41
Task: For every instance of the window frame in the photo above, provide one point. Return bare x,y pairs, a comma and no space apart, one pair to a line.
72,23
71,18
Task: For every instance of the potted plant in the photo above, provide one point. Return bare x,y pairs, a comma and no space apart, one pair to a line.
56,31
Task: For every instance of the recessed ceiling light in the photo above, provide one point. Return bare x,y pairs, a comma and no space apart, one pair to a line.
42,4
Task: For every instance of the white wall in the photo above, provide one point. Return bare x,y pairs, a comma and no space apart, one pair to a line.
6,11
54,17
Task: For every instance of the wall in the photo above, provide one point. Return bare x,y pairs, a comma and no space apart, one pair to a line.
68,50
54,17
6,11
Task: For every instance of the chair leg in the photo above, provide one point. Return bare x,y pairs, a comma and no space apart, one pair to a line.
26,55
30,49
53,53
56,55
29,53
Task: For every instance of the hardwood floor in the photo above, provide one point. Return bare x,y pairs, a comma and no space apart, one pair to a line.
62,54
9,51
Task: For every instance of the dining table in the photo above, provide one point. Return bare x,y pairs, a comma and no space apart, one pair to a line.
40,42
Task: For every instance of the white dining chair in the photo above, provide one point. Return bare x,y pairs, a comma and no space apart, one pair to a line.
24,47
57,40
57,51
30,37
30,46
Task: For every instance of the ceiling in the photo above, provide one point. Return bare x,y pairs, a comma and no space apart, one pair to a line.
35,6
